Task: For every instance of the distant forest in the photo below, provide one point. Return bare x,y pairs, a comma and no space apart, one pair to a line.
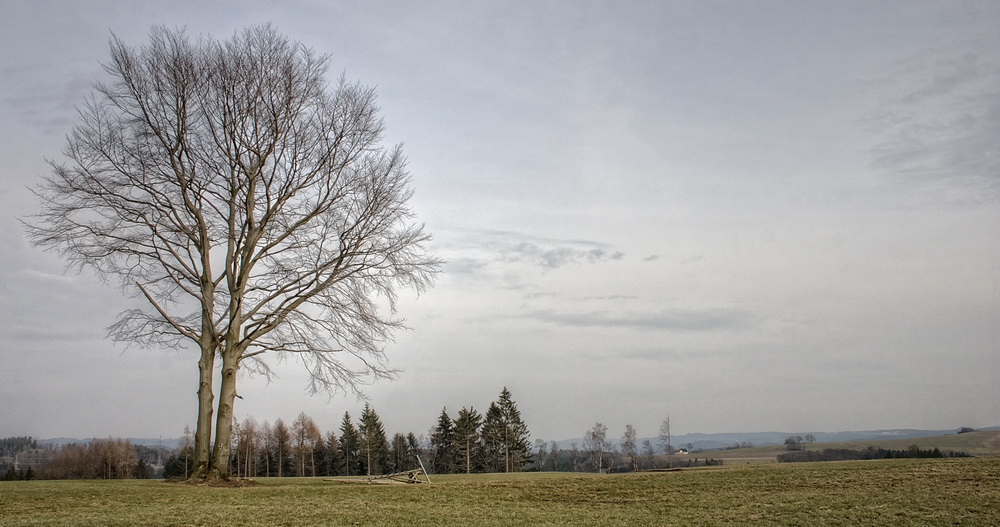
466,442
494,442
846,454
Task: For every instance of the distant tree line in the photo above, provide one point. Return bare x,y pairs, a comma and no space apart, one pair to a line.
468,442
10,446
597,453
846,454
496,442
301,449
12,474
107,458
795,442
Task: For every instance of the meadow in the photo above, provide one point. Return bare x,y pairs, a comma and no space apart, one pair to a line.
887,492
981,443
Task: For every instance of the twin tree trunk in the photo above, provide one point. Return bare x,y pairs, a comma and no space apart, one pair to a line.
217,466
224,423
206,407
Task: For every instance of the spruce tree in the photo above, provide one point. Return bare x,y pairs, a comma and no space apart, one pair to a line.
506,445
467,445
399,454
373,442
493,434
443,443
413,446
350,448
331,455
518,437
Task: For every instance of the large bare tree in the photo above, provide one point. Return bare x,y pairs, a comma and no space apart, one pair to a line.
249,202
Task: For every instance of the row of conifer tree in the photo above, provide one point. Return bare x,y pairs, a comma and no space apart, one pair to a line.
494,442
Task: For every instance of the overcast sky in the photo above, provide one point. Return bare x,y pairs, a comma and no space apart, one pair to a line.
748,216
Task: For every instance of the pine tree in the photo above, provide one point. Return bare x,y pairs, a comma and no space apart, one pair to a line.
493,434
467,445
400,456
506,445
443,443
179,465
413,446
373,442
350,448
331,455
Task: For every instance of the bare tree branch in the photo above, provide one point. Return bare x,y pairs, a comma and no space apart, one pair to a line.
248,201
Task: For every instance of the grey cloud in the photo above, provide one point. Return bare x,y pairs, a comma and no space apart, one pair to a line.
465,266
940,126
538,295
48,103
664,320
554,257
610,297
661,354
477,248
546,252
53,334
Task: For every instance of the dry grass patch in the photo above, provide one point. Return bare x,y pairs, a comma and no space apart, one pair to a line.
890,492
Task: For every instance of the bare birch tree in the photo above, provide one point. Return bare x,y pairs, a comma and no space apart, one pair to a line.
305,437
266,446
629,447
249,203
649,453
247,443
668,448
596,442
282,446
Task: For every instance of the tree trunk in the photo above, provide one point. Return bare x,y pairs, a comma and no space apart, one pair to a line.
224,421
206,370
206,406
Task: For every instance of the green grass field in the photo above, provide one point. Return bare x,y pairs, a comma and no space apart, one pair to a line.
889,492
981,443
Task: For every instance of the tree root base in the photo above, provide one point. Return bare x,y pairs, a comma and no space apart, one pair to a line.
216,481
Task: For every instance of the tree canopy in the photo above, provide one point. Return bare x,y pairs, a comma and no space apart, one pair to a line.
249,202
